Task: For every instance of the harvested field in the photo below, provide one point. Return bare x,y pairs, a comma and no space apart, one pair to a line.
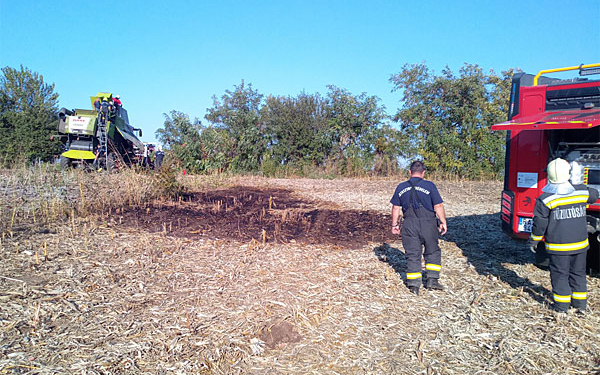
281,276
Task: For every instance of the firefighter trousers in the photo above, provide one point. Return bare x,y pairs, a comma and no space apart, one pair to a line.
419,232
569,284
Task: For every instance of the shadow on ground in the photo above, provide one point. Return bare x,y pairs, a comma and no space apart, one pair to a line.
392,256
263,215
489,250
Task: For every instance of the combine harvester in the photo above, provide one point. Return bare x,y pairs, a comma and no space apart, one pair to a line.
102,139
551,118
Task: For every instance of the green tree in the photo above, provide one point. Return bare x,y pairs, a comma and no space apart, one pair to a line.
28,116
447,118
238,113
389,145
181,138
218,150
297,130
353,121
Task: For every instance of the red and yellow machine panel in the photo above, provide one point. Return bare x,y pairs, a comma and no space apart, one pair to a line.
548,118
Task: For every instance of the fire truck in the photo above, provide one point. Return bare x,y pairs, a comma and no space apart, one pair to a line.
551,118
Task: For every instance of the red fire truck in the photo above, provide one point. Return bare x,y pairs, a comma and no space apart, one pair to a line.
550,118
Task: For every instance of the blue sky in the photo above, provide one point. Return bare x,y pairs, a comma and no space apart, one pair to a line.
175,55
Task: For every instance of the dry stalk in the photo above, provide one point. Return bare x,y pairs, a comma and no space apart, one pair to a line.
73,226
277,230
173,305
36,317
14,214
476,300
82,202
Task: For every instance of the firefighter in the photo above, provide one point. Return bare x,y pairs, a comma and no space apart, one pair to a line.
104,109
111,110
151,158
159,157
118,104
97,104
424,220
560,219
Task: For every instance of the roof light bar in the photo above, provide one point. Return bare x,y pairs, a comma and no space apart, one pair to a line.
589,71
580,68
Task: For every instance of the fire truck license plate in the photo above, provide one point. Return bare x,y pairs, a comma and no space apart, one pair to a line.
525,224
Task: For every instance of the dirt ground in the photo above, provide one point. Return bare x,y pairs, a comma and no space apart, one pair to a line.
282,276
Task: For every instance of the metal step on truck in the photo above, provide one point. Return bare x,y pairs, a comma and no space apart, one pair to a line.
551,118
101,137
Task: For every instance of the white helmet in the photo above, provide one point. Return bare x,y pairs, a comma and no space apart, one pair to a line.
559,171
118,96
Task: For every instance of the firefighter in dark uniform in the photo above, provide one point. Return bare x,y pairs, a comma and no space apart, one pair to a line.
560,219
424,220
97,104
104,110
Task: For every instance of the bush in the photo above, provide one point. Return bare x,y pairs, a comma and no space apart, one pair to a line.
165,180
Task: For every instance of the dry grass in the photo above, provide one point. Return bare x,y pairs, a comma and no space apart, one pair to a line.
43,194
91,296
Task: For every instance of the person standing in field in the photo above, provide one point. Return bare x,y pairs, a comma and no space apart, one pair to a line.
159,157
104,109
424,220
559,218
97,104
118,104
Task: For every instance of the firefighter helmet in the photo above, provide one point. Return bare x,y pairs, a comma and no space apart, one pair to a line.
558,171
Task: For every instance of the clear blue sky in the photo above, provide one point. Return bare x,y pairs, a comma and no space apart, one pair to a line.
175,55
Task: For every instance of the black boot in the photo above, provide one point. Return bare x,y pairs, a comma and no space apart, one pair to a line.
580,305
433,284
559,307
414,289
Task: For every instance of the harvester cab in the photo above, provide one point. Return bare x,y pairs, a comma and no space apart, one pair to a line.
550,118
101,137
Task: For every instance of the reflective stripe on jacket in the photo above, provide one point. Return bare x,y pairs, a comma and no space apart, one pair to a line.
561,220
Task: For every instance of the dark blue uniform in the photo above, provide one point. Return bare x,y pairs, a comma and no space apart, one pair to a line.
420,228
560,219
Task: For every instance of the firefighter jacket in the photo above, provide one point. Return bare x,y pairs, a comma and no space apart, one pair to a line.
560,219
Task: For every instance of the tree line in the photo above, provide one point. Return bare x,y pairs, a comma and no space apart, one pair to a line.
443,119
28,117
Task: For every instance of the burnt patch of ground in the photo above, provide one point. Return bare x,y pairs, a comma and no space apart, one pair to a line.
261,214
